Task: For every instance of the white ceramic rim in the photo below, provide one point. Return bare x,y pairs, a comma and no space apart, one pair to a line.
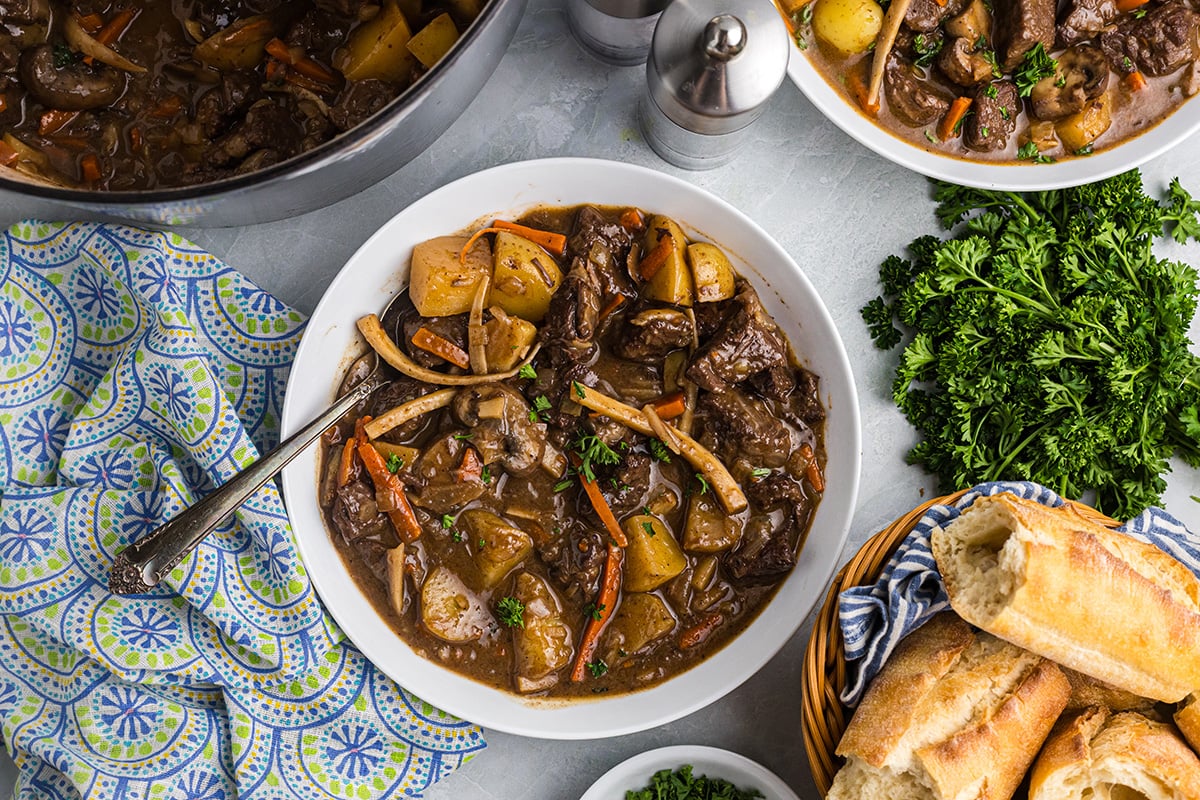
1024,176
379,269
635,773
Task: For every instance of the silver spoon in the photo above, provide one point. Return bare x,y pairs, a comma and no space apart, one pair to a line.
141,565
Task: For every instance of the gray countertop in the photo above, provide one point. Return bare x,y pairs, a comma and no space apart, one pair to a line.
838,208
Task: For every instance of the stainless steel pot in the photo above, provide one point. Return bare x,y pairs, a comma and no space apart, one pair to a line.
333,171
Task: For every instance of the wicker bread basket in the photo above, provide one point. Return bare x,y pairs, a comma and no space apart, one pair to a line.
823,717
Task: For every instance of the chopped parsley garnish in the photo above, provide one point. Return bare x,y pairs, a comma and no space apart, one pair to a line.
482,543
1127,63
511,612
562,485
1086,150
991,91
541,405
648,527
801,22
660,451
527,371
1029,152
456,536
983,131
989,56
683,785
761,472
486,474
462,437
64,56
1036,64
579,390
926,48
594,611
395,463
1004,112
703,483
447,521
597,667
592,450
931,137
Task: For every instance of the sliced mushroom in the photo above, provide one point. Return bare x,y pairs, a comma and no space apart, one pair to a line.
75,87
962,64
974,22
240,46
1082,76
502,429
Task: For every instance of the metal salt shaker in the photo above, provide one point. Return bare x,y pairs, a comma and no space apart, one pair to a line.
713,65
616,31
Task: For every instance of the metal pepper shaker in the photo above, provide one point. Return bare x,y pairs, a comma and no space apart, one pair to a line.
713,65
616,31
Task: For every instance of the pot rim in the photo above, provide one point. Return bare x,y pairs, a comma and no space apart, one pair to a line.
309,160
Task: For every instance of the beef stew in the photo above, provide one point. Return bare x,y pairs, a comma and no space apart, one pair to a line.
592,463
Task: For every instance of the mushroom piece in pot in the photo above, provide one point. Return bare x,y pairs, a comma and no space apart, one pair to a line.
74,87
1082,76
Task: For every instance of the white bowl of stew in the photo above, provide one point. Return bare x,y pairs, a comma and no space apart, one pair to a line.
1037,154
604,702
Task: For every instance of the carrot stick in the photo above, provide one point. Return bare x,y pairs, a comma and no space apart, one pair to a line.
555,243
1136,81
948,127
812,470
301,62
3,103
89,167
91,23
470,468
654,260
613,305
54,121
170,106
700,631
475,237
112,30
670,406
294,77
601,505
8,156
632,220
346,464
1130,5
441,347
136,140
389,493
610,586
857,84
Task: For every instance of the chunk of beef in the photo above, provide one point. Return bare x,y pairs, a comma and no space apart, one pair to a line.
961,63
764,553
357,518
267,126
782,492
394,393
1157,44
225,102
24,12
358,101
806,400
748,342
737,425
914,100
453,329
606,245
648,335
996,107
318,31
625,485
345,8
573,318
1020,25
776,383
928,15
711,316
1081,76
1085,19
575,555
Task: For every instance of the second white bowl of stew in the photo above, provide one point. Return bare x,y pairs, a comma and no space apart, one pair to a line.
1012,94
611,462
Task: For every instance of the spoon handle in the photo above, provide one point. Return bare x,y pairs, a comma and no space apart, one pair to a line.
143,564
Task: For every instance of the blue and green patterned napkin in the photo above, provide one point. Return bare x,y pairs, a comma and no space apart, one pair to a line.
136,373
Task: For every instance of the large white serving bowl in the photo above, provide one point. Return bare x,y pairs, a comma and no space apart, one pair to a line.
380,268
1023,176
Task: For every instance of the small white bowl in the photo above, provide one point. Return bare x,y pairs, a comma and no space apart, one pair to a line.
635,773
1023,176
380,268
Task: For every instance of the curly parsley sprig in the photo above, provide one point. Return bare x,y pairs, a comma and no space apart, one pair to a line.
1048,342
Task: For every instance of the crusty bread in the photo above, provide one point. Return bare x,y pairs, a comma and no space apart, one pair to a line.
1104,756
1086,692
1119,610
953,715
1187,717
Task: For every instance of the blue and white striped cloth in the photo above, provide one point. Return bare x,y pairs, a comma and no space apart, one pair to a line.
909,591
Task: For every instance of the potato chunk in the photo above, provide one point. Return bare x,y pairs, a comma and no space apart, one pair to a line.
500,547
441,286
544,644
653,556
451,611
672,283
640,619
434,40
376,49
508,340
708,528
847,26
711,272
1081,129
524,277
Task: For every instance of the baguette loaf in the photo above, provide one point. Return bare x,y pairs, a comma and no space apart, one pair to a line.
1105,756
1187,717
1086,692
953,715
1091,599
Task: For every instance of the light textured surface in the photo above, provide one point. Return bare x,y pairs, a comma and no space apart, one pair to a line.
835,206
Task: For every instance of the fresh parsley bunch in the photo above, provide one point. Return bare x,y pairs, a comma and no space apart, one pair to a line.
1049,343
681,784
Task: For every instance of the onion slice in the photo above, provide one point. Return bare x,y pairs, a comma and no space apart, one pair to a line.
82,41
372,330
664,432
732,498
402,413
883,47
